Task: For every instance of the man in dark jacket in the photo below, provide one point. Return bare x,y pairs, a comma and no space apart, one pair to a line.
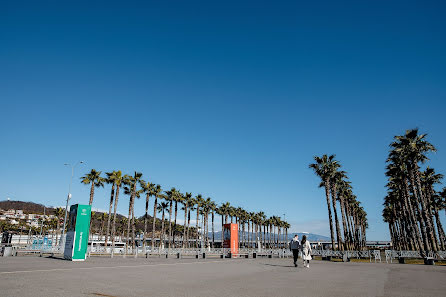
295,248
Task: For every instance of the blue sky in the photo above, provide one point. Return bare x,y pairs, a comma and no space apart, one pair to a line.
228,99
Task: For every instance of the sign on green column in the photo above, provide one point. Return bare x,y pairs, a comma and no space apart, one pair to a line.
76,242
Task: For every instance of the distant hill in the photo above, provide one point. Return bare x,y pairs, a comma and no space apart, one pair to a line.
27,207
310,236
97,221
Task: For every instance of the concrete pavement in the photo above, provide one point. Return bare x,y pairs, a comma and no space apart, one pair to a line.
34,276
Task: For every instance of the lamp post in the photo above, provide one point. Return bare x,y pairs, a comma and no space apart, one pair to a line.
68,197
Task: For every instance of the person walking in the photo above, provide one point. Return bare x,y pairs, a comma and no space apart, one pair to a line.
306,251
295,248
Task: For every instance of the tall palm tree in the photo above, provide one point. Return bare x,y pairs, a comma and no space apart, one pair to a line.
118,181
156,193
198,202
162,207
130,189
170,196
412,148
147,187
212,207
94,178
221,212
429,178
186,202
324,167
191,208
337,181
178,198
111,176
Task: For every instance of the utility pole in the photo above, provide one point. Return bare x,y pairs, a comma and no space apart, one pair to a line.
68,199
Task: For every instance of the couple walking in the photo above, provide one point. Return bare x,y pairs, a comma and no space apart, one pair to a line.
296,246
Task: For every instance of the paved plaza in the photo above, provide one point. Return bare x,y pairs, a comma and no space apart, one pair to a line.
35,276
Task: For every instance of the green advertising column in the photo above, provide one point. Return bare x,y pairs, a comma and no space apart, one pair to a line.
76,242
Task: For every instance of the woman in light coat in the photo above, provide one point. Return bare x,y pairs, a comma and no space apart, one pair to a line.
306,251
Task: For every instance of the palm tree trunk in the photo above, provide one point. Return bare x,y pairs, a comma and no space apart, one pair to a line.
170,222
91,193
128,223
330,219
114,220
221,234
198,220
185,225
146,218
154,222
188,227
162,232
175,222
415,232
420,211
344,227
338,229
112,196
424,207
213,231
440,230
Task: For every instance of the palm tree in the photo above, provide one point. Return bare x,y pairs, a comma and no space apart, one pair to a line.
429,178
221,211
191,208
162,209
103,217
94,178
118,181
207,208
170,196
198,201
147,187
59,213
324,167
212,207
111,176
186,202
177,198
131,183
411,149
156,193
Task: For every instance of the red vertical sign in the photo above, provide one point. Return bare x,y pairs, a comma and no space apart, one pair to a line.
230,237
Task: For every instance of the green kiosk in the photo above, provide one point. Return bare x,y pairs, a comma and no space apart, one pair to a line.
76,242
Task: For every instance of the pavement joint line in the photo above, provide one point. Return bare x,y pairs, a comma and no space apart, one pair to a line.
111,267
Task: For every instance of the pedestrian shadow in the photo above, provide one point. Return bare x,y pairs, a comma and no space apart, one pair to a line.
55,258
275,265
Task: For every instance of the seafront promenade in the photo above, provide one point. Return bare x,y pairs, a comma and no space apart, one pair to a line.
119,277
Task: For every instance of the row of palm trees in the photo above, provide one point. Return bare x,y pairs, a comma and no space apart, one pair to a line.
412,205
353,215
271,232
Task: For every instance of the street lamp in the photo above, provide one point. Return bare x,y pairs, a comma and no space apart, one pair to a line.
69,196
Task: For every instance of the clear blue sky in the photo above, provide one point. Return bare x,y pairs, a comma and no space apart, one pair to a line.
230,99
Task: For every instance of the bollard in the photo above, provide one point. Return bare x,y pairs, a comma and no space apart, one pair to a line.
230,255
167,256
178,255
254,255
222,256
147,255
401,260
204,255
